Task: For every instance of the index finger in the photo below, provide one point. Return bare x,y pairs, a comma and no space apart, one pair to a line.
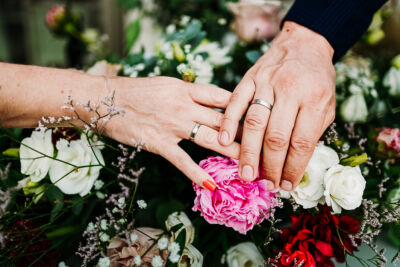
235,110
209,95
178,157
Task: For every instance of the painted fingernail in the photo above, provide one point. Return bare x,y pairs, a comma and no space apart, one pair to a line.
224,137
286,185
209,184
270,185
247,172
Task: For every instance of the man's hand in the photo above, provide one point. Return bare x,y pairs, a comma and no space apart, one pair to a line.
297,77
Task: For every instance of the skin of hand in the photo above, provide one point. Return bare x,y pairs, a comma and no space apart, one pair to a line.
162,111
296,75
159,111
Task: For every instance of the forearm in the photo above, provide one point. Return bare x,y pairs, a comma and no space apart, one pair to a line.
28,93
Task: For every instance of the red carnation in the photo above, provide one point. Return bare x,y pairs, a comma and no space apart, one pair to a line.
27,244
315,239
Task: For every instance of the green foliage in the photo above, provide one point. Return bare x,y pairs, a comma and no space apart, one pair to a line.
354,160
56,198
132,33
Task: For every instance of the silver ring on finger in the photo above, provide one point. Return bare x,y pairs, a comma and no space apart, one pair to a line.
263,103
194,131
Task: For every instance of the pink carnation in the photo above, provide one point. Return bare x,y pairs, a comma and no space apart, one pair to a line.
390,137
235,203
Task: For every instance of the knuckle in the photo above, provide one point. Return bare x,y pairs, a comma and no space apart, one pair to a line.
248,155
276,140
255,121
235,97
217,97
302,144
209,138
217,119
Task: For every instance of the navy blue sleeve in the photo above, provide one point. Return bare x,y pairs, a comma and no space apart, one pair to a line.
341,22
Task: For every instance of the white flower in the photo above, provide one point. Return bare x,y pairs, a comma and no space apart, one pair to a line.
73,180
104,237
244,254
203,69
184,20
344,187
181,218
121,202
171,29
392,81
191,257
33,163
142,204
310,189
100,195
104,262
354,109
157,261
162,243
137,260
174,247
133,237
98,184
103,224
62,264
174,257
217,56
90,226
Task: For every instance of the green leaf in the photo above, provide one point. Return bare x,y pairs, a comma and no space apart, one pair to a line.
63,231
253,56
176,228
55,210
54,194
354,160
77,205
394,234
11,152
132,33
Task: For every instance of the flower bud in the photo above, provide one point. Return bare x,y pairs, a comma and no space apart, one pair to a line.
178,53
54,16
392,81
354,109
189,76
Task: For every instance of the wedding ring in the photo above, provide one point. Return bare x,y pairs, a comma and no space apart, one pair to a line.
194,131
262,103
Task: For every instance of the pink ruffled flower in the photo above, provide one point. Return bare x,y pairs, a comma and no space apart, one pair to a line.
54,15
390,137
235,203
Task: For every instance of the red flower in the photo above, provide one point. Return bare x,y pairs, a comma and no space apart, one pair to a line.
27,244
315,239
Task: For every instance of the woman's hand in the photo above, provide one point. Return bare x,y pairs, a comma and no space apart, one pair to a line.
297,77
161,111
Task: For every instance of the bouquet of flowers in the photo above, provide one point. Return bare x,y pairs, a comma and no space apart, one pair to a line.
72,197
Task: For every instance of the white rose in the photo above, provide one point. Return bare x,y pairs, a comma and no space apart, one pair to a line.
392,81
354,109
344,187
217,56
36,168
181,218
310,189
191,257
244,255
78,153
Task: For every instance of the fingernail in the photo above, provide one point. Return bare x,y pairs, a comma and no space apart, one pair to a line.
270,185
286,185
224,137
247,172
209,184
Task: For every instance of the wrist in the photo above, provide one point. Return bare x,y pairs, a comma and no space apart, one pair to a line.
300,37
